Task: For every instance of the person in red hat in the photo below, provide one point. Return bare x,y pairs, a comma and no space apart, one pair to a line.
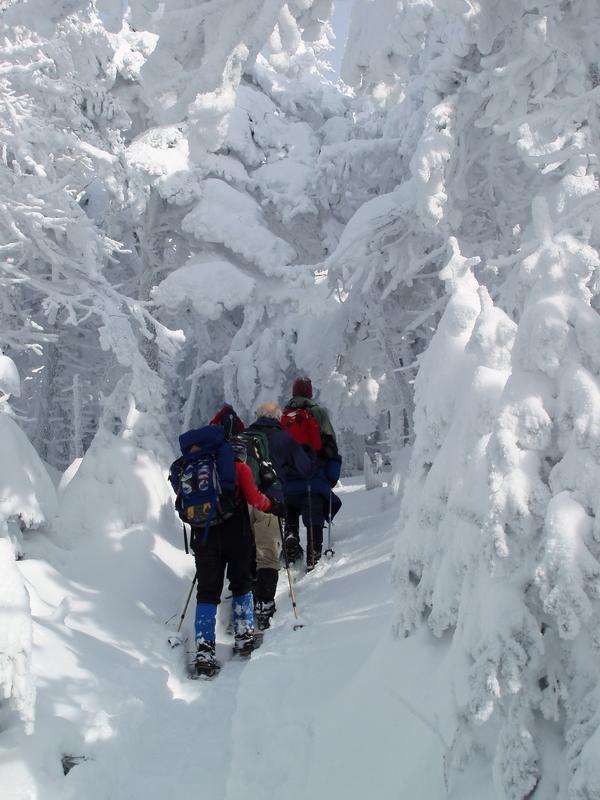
228,420
313,500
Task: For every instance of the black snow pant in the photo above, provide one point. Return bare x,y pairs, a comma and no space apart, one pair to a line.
312,512
229,547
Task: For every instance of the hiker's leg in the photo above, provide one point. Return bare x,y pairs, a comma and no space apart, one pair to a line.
210,570
313,511
268,548
238,548
268,540
210,565
293,505
238,544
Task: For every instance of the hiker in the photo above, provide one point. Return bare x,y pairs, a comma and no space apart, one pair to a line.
313,500
221,535
290,461
228,420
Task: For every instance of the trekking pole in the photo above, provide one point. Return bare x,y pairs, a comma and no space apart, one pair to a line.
310,528
289,575
187,602
330,552
176,639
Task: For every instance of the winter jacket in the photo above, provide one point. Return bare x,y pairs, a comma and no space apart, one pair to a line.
321,483
289,459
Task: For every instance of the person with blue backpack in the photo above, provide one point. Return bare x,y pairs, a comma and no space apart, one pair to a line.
213,492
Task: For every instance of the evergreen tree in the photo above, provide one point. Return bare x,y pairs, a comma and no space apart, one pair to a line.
498,543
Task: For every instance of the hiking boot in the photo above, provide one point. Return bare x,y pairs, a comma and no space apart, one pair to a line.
314,548
312,559
263,611
293,548
205,662
245,643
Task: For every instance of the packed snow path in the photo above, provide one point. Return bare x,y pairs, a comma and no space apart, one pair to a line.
330,710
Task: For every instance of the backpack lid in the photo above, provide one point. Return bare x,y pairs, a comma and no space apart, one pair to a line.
207,438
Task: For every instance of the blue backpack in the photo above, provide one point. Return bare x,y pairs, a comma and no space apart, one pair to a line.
199,477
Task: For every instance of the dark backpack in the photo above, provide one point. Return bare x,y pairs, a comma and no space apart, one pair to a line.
253,447
303,427
197,483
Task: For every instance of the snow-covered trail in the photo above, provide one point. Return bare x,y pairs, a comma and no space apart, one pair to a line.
315,710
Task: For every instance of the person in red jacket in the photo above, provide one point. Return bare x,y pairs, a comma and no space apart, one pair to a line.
228,547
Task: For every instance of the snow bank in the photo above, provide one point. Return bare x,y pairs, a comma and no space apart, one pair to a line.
117,485
27,500
16,680
27,493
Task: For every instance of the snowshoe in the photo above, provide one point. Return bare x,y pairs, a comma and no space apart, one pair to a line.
205,664
263,611
204,671
246,643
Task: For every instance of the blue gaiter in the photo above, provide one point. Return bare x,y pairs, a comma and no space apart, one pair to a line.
206,620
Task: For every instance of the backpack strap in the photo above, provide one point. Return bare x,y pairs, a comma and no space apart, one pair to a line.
208,521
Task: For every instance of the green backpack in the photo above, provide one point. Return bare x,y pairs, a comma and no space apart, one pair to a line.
252,447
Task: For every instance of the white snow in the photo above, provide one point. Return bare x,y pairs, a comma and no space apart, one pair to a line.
10,382
161,151
16,683
27,493
241,230
208,286
193,208
111,690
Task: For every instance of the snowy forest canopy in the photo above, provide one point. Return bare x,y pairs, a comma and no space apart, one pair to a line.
194,208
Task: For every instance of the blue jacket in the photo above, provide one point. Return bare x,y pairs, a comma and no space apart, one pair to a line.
322,481
211,439
287,456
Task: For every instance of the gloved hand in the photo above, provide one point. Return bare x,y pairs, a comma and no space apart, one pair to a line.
277,508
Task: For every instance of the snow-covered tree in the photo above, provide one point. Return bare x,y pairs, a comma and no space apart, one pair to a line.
498,541
27,502
231,229
73,332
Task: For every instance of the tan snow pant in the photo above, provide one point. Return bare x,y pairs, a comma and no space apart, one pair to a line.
268,539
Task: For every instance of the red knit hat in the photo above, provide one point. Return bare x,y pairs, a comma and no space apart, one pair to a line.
302,387
228,420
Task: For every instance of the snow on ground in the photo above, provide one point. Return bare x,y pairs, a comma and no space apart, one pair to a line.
336,709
